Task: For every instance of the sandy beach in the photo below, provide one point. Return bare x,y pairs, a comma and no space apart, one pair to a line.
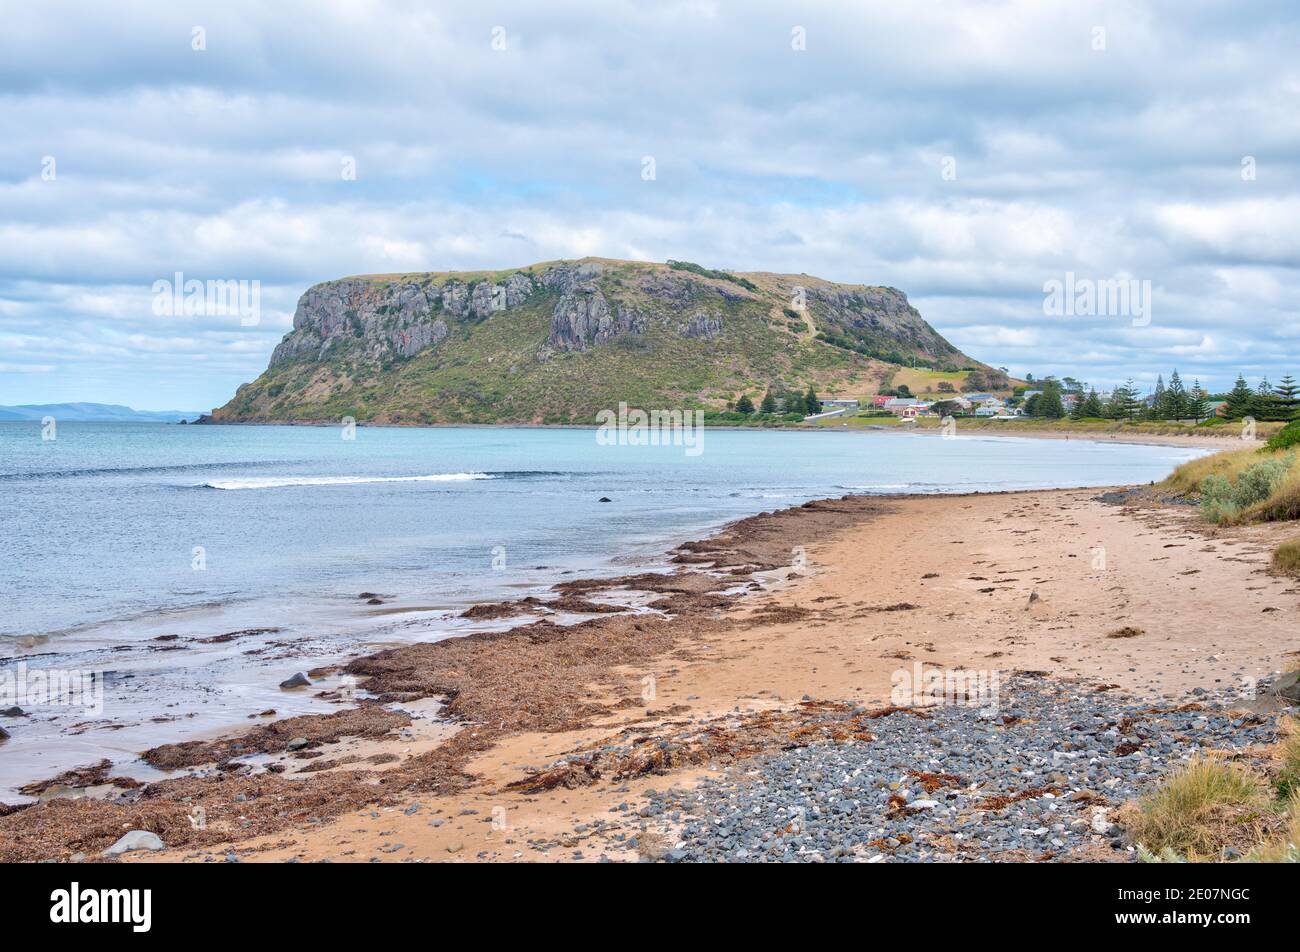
452,753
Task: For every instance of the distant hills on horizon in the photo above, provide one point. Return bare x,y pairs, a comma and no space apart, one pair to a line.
93,413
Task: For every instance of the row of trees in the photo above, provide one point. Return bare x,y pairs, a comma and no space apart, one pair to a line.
808,403
1265,402
1172,401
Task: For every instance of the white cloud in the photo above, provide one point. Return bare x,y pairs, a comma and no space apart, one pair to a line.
226,164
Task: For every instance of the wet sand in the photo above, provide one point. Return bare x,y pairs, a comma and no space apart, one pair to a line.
824,602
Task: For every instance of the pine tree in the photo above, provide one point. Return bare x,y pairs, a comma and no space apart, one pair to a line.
1089,406
1198,402
810,401
745,405
1176,405
1240,400
1048,404
1158,402
1288,398
1123,402
1264,406
769,403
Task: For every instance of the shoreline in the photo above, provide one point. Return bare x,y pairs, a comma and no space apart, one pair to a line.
1201,439
512,708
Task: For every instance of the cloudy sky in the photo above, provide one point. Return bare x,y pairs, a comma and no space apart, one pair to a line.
966,153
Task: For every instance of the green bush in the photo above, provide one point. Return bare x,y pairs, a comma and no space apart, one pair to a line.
1285,438
1222,500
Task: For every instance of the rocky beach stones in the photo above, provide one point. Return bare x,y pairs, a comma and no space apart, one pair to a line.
299,680
1039,781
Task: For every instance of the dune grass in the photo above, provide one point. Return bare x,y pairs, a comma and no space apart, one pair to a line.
1190,812
1241,486
1187,479
1284,847
1287,756
1282,504
1212,805
1286,557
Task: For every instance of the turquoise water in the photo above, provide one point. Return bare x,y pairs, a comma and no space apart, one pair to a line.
116,535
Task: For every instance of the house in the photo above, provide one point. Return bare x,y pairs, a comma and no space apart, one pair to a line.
979,397
880,399
837,404
913,411
896,405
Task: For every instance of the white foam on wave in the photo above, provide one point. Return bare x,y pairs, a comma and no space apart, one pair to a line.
277,482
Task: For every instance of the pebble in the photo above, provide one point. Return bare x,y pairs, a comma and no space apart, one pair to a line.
838,801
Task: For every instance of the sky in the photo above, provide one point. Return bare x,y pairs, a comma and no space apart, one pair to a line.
968,154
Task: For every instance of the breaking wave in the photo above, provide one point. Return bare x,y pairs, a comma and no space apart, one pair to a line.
278,482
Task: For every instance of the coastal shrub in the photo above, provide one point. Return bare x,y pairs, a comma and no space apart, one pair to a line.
1222,500
1282,504
1217,499
1284,438
1187,813
1186,479
1286,557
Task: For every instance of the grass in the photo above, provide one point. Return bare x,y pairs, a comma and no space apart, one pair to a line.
1251,496
1287,756
1284,847
1186,479
1286,557
1241,486
1198,811
1211,805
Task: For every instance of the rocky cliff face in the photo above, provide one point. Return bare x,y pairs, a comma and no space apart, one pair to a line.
403,318
555,342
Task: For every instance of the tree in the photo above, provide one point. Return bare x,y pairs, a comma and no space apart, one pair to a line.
810,401
745,405
1241,400
769,403
1048,405
1158,401
1089,406
1265,405
1198,402
1175,400
1288,399
1123,402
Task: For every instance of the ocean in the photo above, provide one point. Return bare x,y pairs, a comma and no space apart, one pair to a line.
128,550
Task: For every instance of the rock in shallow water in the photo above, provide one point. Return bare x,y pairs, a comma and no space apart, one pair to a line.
299,680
